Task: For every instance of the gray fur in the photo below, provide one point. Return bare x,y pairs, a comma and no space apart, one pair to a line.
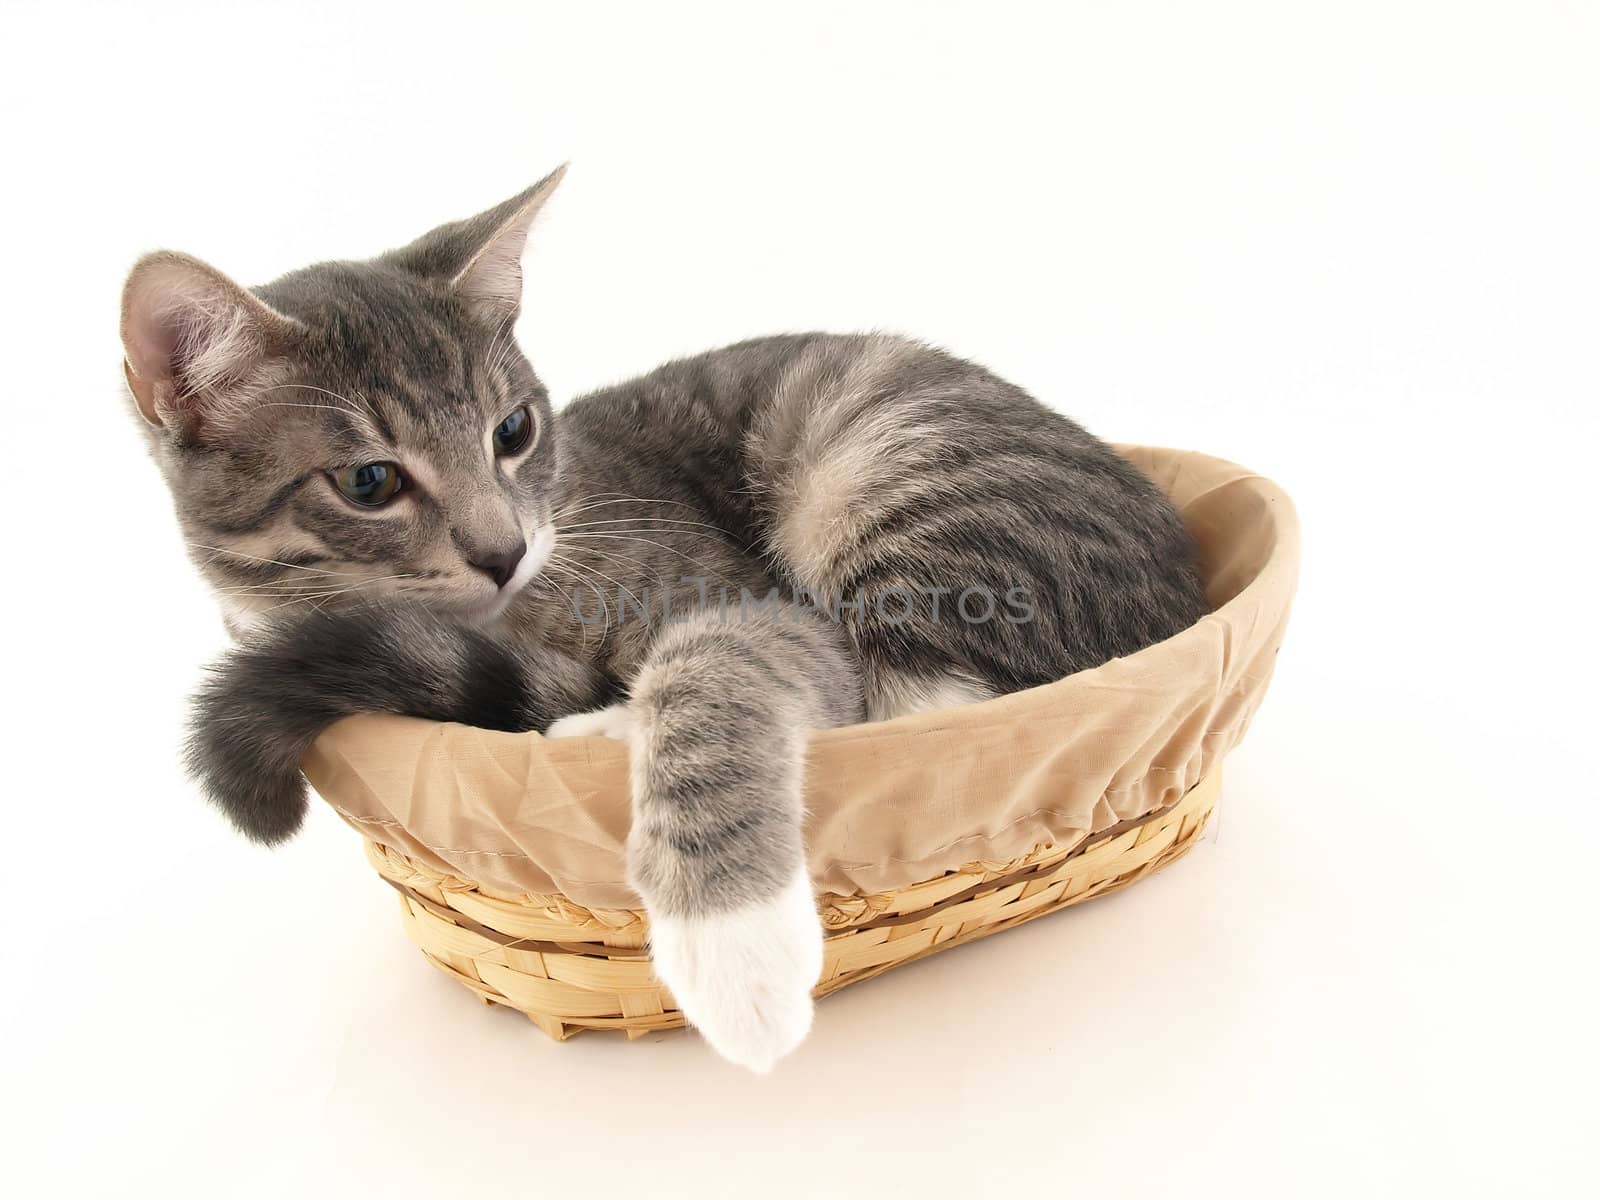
723,708
850,465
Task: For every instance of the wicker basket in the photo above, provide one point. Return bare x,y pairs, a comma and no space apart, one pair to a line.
926,832
571,968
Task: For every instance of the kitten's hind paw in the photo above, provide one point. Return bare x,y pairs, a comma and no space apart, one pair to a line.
744,978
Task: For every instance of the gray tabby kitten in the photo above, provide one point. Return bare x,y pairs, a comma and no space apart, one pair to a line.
711,561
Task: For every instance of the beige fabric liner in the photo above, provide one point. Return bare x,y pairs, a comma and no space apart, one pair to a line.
893,803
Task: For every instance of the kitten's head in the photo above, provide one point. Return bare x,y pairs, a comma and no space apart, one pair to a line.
355,428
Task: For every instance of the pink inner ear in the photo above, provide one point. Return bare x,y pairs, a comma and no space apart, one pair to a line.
154,325
193,336
493,278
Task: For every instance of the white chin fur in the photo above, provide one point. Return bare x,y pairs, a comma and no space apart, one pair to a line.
537,554
744,978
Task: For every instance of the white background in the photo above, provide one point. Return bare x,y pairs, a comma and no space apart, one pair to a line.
1356,251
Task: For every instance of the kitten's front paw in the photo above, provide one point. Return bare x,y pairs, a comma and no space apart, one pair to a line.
613,721
744,978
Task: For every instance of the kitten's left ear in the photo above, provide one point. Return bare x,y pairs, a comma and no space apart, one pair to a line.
481,257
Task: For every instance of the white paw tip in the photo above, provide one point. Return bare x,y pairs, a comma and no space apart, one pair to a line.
614,721
744,978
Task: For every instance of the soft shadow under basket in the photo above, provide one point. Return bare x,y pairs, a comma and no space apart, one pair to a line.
506,850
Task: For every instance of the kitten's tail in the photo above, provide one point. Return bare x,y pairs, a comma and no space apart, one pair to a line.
267,700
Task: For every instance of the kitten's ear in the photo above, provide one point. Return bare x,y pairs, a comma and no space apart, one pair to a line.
193,339
481,257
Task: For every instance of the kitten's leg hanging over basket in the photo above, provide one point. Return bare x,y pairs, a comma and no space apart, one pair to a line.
720,715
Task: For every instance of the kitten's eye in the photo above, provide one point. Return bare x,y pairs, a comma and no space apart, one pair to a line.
512,434
371,484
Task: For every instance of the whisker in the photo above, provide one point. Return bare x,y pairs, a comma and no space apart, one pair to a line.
673,524
363,411
652,578
622,498
297,404
685,529
568,573
274,561
311,590
605,609
322,597
710,574
505,345
595,570
309,387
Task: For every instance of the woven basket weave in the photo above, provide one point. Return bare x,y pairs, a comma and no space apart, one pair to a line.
571,968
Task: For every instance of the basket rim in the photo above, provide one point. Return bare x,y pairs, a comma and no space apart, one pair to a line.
406,876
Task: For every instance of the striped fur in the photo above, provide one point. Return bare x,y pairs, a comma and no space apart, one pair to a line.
818,472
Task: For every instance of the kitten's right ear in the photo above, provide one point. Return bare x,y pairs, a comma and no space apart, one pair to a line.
193,340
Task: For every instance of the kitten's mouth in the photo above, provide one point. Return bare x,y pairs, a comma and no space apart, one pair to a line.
538,553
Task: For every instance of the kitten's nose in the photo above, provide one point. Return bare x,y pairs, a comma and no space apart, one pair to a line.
501,565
